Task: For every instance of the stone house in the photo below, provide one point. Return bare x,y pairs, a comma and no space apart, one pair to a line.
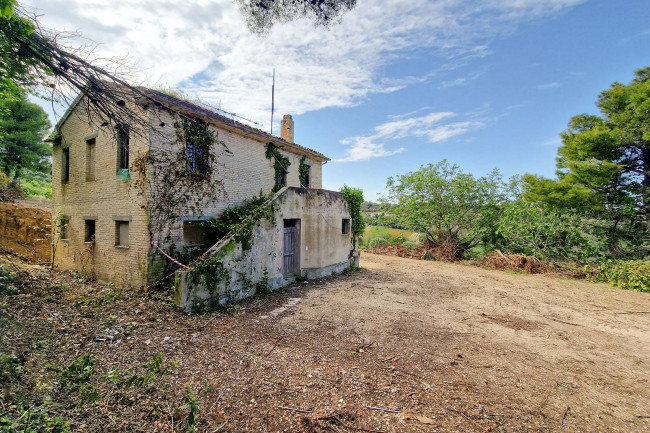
131,207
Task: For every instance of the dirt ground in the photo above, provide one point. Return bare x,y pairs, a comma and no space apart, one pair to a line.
25,229
402,346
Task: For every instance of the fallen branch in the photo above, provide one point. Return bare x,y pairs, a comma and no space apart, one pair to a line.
381,409
293,409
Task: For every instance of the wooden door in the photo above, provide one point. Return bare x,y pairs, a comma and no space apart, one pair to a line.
289,249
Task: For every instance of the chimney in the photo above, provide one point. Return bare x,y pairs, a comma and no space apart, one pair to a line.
286,132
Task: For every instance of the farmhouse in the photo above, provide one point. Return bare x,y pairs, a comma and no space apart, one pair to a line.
135,205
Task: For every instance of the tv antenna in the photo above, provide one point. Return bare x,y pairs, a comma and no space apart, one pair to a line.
272,100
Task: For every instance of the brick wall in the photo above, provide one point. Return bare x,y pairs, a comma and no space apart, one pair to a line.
104,199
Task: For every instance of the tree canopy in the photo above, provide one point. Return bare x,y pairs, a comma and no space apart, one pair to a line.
261,15
604,163
449,206
23,126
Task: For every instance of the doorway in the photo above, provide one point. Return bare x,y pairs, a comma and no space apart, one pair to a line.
291,247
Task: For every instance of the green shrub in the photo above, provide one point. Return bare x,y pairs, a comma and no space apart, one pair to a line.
410,245
395,240
625,274
36,184
7,278
378,242
548,234
77,373
11,368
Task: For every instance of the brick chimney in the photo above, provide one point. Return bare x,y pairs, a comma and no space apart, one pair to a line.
286,132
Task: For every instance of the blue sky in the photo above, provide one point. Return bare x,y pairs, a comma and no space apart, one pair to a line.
396,84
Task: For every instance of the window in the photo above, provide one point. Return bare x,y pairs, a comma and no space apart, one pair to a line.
281,177
65,165
197,157
121,233
306,177
193,234
90,159
89,230
345,229
64,227
123,147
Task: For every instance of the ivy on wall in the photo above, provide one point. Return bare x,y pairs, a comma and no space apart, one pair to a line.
281,164
354,198
170,185
241,221
303,172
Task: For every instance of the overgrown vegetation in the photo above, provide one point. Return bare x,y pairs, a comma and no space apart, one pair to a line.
626,274
179,177
303,172
596,213
354,199
281,165
240,221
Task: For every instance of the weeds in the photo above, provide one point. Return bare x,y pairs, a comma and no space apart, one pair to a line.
32,420
192,403
7,280
11,368
154,369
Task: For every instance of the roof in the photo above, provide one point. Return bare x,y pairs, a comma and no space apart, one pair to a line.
191,109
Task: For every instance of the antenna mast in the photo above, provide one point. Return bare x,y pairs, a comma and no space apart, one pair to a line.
272,100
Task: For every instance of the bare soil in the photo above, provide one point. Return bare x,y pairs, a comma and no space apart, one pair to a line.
25,230
401,346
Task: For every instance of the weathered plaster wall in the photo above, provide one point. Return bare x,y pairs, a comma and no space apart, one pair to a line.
323,250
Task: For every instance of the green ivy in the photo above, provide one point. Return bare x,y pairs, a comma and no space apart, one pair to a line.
213,270
280,165
354,198
303,172
232,221
199,134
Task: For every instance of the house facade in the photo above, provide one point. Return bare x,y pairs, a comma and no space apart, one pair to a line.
130,205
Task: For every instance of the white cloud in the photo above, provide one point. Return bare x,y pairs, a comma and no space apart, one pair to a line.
553,85
429,126
203,46
452,83
554,142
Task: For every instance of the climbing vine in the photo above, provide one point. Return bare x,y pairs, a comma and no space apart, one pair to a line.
213,271
303,172
280,165
171,185
354,198
197,137
240,221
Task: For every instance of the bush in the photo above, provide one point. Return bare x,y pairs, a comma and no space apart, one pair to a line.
377,243
548,234
399,239
411,245
625,274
